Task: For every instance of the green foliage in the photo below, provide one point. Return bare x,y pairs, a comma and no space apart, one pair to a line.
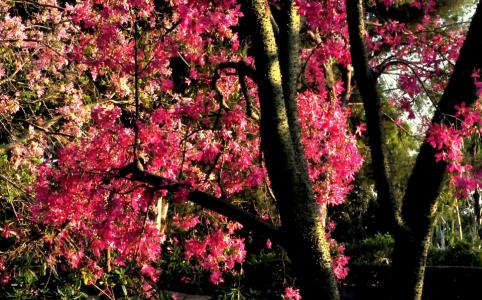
378,250
461,254
362,215
34,283
455,9
374,250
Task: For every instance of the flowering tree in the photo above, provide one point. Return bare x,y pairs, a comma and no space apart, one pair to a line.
169,110
128,113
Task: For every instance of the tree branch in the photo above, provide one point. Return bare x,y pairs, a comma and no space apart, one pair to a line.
235,213
367,86
243,69
205,200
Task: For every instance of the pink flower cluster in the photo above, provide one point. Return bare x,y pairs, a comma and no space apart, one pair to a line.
218,252
449,142
339,259
330,147
291,294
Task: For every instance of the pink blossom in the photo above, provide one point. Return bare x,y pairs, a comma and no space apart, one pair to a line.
291,294
151,272
268,244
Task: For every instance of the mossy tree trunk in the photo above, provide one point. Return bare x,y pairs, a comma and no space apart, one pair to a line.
277,68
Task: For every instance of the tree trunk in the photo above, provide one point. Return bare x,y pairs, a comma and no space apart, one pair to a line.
372,103
283,152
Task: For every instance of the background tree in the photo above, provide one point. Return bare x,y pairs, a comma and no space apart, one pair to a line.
413,221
